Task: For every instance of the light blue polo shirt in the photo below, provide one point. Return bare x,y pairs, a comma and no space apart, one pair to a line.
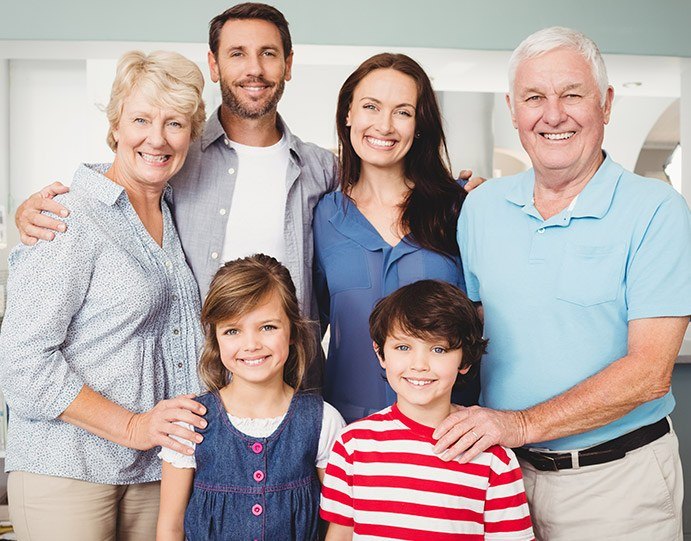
558,294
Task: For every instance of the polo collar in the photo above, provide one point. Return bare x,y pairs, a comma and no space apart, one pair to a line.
213,130
593,201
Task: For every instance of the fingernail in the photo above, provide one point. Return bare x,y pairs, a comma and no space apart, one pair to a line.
189,451
445,456
203,423
62,227
199,438
65,213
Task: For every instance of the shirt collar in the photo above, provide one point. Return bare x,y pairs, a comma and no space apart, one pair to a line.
593,201
91,178
213,130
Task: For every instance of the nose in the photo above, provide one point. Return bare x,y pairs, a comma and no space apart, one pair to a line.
156,135
419,362
254,66
554,112
251,342
384,124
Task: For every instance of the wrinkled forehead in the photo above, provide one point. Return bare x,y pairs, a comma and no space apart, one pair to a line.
562,68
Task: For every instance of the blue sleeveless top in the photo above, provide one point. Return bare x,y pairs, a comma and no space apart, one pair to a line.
256,488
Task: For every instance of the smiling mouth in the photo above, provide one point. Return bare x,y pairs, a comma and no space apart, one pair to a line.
380,143
154,158
558,136
255,361
418,382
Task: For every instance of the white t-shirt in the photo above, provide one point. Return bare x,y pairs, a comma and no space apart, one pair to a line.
332,423
257,212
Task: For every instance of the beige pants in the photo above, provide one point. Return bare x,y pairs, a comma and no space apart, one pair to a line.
43,508
636,498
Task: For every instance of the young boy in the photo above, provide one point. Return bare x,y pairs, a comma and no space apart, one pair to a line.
383,480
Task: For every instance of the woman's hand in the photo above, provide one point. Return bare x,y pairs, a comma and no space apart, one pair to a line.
471,181
155,427
30,220
143,431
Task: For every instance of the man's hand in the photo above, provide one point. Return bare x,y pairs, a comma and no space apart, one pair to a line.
469,431
473,182
32,224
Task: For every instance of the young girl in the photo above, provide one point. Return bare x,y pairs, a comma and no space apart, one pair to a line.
257,472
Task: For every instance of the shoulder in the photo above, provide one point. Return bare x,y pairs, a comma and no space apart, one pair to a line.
494,190
328,205
645,190
332,417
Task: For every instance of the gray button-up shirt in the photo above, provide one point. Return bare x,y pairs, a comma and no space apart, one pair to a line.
203,192
101,305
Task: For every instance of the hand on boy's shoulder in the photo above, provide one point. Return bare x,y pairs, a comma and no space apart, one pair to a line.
469,431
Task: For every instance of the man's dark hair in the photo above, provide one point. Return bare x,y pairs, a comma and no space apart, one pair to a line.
431,309
250,10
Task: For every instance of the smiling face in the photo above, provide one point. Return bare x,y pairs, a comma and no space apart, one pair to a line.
251,67
152,143
559,114
382,118
254,347
422,373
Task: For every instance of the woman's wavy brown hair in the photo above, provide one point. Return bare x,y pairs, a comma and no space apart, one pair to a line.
431,210
238,287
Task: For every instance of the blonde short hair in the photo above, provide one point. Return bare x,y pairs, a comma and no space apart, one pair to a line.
168,79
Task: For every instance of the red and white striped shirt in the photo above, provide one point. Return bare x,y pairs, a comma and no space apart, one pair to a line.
384,480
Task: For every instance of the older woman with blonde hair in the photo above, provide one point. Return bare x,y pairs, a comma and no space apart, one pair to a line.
101,327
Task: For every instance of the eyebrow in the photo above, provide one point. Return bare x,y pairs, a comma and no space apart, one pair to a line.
533,90
244,47
378,101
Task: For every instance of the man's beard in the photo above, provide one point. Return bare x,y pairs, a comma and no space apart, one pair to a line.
248,109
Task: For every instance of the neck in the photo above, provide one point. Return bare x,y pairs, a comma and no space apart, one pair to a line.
429,415
555,190
262,400
253,132
384,186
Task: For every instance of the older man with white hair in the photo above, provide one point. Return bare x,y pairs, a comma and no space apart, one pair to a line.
582,271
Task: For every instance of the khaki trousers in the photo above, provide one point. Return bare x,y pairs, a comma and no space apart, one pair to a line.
636,498
47,508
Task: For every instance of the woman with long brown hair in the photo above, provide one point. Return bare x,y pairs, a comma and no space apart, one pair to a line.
392,222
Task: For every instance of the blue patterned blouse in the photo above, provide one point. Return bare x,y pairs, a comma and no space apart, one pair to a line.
101,305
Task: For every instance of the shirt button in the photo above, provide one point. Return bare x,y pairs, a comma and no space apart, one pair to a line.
214,255
258,476
174,297
257,509
176,331
179,365
226,142
231,171
168,264
257,447
222,212
541,230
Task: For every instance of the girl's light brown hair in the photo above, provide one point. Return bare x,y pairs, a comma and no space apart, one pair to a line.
238,287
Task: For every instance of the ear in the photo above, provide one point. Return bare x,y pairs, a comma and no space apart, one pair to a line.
378,354
607,107
513,116
348,118
213,66
289,67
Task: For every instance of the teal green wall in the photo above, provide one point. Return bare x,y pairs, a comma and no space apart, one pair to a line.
661,27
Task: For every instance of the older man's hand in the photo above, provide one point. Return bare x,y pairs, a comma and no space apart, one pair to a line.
469,431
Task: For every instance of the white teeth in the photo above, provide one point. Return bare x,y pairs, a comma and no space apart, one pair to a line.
380,142
557,136
154,159
253,362
419,382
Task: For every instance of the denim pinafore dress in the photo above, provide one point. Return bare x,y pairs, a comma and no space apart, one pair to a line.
256,488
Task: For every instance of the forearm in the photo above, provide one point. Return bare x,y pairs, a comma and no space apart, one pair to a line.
98,415
337,532
644,374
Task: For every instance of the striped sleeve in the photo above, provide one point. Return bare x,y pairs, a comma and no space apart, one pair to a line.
507,516
337,492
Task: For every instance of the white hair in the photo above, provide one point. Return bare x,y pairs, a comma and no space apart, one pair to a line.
555,37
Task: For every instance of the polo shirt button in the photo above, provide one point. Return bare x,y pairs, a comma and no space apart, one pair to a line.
257,509
258,476
214,255
231,171
541,230
257,447
226,142
222,212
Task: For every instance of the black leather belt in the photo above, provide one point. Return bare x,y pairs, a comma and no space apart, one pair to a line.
600,454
